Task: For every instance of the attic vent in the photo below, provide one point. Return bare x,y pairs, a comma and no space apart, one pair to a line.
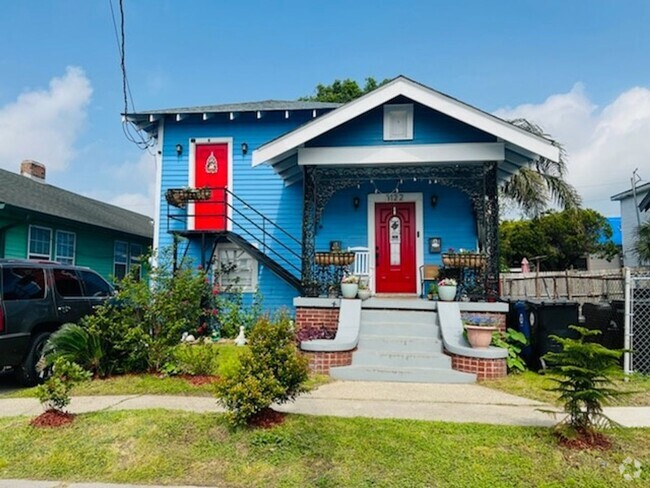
32,169
398,122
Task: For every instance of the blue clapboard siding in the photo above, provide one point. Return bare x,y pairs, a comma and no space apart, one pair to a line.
259,187
451,219
429,127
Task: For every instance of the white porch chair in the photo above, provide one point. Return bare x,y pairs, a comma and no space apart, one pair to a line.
361,264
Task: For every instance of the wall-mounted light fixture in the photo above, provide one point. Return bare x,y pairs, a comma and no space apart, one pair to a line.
179,149
244,148
434,200
356,202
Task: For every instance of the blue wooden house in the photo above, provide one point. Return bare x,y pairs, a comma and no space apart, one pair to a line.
294,193
291,192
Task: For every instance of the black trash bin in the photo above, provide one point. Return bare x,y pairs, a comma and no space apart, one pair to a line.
547,318
608,318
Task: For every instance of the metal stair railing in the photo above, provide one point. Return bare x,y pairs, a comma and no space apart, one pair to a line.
250,223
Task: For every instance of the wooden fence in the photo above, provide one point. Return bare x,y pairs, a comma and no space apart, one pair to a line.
578,286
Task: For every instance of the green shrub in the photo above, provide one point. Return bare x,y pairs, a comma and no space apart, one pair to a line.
197,359
232,313
140,325
583,373
55,392
78,345
513,341
270,371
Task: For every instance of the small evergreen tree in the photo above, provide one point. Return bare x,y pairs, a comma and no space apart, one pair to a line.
270,371
583,372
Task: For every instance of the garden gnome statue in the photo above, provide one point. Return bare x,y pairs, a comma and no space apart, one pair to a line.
240,340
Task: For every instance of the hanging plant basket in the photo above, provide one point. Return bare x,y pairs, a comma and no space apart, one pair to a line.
178,197
464,260
334,258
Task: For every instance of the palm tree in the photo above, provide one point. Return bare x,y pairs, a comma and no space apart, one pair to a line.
535,187
642,247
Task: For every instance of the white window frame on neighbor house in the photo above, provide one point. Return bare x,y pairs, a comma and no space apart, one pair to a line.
416,198
126,258
222,280
135,258
60,257
401,113
35,255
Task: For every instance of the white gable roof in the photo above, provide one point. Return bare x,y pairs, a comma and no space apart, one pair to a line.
523,145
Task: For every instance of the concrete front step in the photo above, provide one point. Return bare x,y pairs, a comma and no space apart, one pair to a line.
395,359
399,343
392,329
401,375
398,317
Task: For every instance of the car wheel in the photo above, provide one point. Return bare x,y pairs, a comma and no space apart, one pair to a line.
27,374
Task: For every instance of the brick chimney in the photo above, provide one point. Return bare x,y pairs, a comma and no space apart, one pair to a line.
33,170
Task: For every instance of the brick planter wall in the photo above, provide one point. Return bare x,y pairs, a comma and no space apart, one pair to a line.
317,323
485,369
320,323
321,362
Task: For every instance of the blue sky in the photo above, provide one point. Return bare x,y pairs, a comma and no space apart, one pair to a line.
579,68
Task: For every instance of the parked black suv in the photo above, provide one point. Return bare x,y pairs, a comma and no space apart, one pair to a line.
36,298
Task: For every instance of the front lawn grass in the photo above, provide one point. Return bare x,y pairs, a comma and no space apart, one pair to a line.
533,385
171,447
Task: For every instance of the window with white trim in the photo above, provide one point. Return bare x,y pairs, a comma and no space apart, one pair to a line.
65,243
235,268
40,242
398,122
120,259
135,260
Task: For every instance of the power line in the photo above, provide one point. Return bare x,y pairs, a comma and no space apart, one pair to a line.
131,131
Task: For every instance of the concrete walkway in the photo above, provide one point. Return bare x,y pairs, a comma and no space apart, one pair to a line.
443,402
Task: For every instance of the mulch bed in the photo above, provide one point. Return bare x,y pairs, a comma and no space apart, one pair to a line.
199,380
52,418
586,440
266,419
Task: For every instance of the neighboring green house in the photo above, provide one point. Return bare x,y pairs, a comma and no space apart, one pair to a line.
41,221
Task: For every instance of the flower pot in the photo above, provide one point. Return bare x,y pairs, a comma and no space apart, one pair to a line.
349,290
363,294
447,293
479,337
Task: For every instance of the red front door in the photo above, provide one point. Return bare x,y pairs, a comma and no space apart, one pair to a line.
395,248
211,171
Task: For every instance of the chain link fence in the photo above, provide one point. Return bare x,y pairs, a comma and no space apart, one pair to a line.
637,299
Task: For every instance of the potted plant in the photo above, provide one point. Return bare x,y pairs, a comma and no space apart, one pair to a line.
432,292
363,291
349,286
480,330
447,289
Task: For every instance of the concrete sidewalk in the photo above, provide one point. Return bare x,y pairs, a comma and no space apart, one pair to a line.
443,402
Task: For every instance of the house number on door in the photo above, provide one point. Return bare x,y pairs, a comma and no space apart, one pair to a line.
395,197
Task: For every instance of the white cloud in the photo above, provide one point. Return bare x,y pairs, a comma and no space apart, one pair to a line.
140,178
44,124
604,145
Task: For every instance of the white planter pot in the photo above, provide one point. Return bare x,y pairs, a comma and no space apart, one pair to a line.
349,290
363,294
447,293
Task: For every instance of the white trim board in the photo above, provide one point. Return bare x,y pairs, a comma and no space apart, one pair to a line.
374,198
401,86
402,154
191,179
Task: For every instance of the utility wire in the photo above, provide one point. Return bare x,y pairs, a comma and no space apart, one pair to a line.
131,131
